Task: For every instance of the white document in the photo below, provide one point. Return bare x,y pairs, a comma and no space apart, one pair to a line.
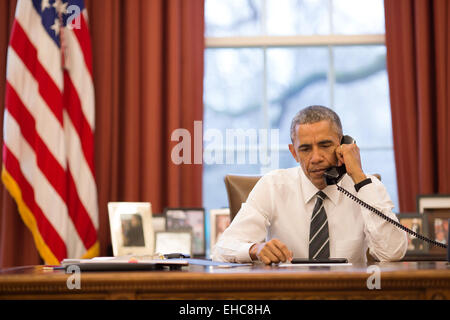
314,264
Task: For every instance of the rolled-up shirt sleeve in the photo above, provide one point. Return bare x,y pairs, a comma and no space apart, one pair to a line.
386,241
247,228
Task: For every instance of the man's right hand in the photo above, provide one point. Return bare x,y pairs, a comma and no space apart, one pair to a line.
273,251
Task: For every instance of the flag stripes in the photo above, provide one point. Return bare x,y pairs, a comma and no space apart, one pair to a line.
46,199
79,122
30,21
82,35
44,226
27,53
49,121
49,127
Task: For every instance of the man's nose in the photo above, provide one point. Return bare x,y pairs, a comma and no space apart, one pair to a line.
316,155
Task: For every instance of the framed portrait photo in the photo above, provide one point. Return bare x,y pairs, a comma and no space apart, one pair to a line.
131,228
432,201
190,220
438,228
436,207
173,242
418,223
219,220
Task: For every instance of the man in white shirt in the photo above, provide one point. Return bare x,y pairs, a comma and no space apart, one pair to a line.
276,223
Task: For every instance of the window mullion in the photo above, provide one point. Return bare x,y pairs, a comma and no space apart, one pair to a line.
265,105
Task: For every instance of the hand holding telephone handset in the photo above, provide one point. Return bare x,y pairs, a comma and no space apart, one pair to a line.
334,174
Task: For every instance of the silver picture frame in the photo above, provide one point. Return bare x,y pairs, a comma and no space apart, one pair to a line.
131,228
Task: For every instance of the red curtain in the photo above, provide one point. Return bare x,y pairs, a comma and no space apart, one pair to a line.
148,78
418,62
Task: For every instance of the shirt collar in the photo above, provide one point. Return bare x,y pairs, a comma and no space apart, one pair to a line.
310,190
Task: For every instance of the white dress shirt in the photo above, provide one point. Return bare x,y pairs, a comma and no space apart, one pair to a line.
281,204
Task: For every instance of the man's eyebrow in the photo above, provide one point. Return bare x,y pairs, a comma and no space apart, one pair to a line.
325,141
304,145
322,142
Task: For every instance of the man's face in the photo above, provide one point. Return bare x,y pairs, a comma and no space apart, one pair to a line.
314,148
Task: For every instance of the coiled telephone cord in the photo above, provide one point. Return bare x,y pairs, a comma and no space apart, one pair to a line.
382,215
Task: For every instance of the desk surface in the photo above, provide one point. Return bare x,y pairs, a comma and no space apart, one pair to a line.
398,280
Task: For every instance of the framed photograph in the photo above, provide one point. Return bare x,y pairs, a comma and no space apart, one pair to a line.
437,209
173,242
438,226
191,220
432,201
219,220
418,223
131,228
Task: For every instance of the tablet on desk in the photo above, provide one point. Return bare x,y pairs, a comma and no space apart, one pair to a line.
307,261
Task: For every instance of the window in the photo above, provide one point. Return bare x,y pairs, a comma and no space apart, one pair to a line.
267,59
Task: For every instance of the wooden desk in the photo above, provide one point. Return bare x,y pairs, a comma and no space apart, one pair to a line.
401,280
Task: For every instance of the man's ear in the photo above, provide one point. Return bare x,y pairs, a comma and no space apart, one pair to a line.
292,150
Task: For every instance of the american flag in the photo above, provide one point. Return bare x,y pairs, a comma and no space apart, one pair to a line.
48,150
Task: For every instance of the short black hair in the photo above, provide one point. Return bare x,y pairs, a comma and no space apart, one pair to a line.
313,114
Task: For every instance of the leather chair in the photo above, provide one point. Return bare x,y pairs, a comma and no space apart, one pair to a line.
238,188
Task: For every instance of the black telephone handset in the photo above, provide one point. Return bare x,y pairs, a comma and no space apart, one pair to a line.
334,174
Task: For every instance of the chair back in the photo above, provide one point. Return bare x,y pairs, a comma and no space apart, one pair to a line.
238,188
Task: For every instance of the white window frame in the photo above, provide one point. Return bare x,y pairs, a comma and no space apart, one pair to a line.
294,41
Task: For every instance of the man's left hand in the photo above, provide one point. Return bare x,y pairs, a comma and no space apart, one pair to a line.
349,155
